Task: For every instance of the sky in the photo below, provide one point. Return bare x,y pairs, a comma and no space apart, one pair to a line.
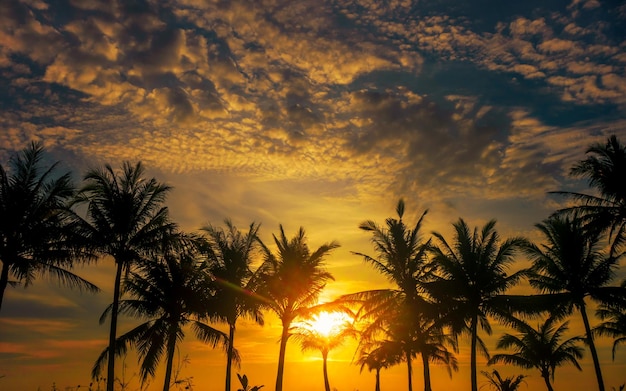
310,113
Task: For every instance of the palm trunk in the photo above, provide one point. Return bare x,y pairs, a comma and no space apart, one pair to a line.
592,346
325,359
113,329
171,346
409,369
281,357
474,336
426,364
377,379
4,280
546,378
231,347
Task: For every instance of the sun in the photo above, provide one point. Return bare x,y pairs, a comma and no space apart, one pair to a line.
328,323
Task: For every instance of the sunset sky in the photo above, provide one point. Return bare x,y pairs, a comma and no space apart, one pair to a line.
308,113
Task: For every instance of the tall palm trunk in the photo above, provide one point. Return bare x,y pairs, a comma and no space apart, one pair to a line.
592,346
546,378
474,337
427,386
171,346
4,280
325,366
281,357
409,369
377,379
113,329
231,347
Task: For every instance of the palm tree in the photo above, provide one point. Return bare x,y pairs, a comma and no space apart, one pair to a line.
33,229
402,258
169,293
503,384
540,348
229,254
408,331
431,342
472,280
376,356
323,341
293,279
614,324
245,385
571,267
604,169
126,219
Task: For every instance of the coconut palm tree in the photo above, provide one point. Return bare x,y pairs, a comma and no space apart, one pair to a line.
497,382
542,348
33,225
324,341
293,278
230,256
377,355
401,256
604,169
472,280
431,341
169,293
571,267
407,330
126,220
614,324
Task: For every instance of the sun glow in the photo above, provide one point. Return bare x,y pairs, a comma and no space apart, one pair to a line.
327,323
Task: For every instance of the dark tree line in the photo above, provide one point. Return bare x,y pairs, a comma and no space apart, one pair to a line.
441,289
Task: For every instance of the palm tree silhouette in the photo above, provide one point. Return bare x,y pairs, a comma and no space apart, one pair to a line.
324,342
540,348
34,238
402,258
388,321
472,281
229,254
571,267
614,325
126,219
496,381
604,169
377,355
169,293
293,279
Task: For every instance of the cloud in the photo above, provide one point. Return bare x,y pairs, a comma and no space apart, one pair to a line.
22,33
41,326
284,90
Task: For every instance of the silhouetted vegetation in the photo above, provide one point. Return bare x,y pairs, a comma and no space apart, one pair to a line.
404,319
34,234
293,279
571,267
472,281
498,383
312,339
540,348
125,219
441,291
230,255
604,170
170,293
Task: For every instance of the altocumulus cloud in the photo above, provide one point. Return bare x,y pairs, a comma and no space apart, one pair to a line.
427,98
